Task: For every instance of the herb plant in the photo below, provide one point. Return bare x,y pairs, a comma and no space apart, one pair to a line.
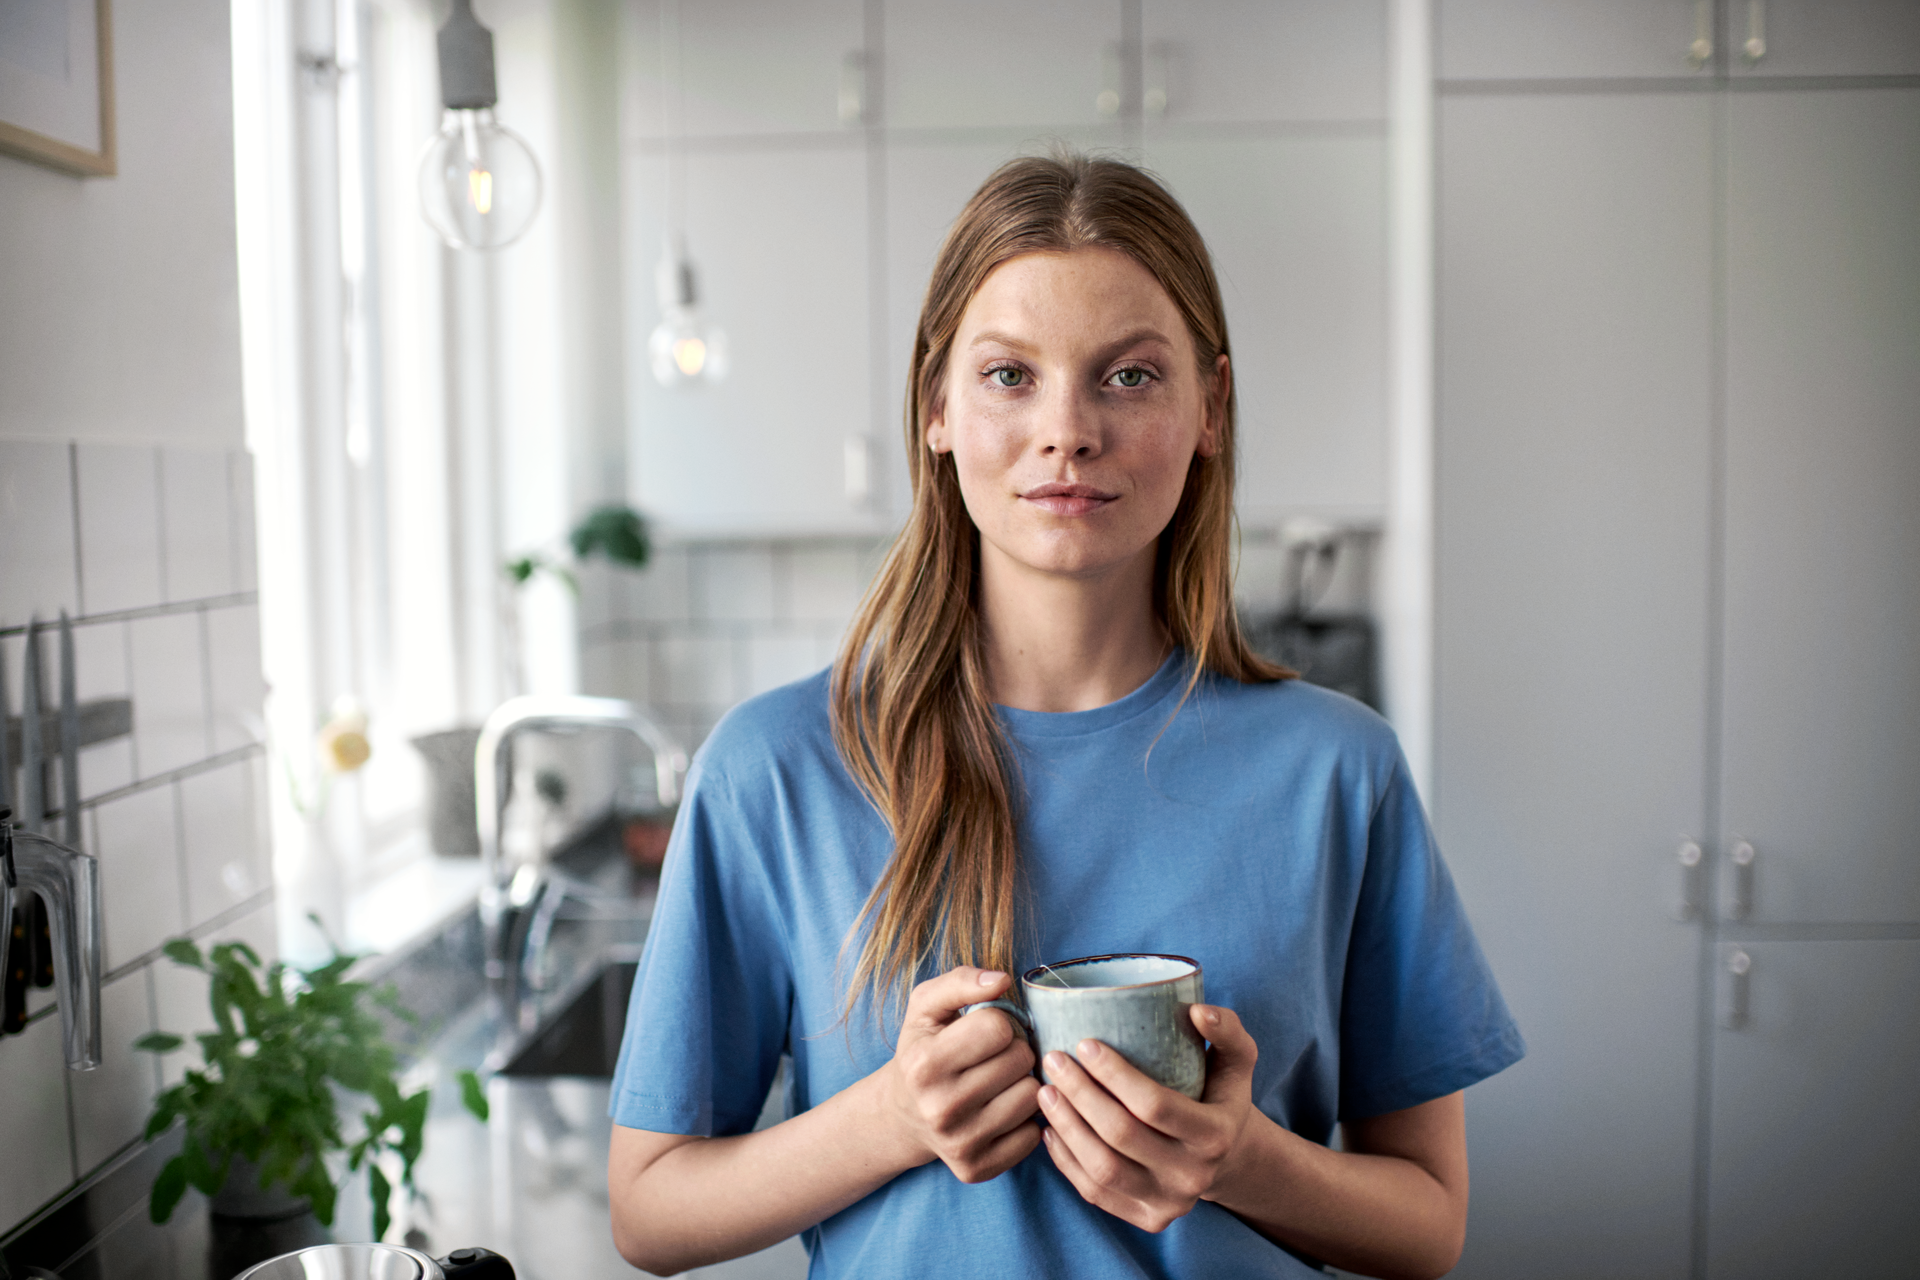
285,1043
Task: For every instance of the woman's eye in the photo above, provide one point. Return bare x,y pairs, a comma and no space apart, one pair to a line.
1131,377
1007,377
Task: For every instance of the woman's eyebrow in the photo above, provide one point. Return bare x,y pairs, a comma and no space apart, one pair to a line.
994,337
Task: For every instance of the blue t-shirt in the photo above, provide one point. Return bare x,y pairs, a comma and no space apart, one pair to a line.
1271,832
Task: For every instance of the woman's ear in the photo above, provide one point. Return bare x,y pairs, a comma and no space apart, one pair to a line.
1215,422
936,432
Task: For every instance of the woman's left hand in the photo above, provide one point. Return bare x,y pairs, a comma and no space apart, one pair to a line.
1135,1147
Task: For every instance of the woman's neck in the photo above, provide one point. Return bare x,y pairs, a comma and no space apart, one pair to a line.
1057,643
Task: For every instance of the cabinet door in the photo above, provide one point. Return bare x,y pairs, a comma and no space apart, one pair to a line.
998,63
1259,60
1816,1138
1824,37
1822,719
1298,232
779,240
742,66
1561,39
1575,344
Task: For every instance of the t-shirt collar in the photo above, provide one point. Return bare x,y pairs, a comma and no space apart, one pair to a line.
1163,684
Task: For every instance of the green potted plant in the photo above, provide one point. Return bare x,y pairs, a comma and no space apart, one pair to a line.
286,1046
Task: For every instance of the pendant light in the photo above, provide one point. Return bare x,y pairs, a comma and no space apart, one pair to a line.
685,349
479,181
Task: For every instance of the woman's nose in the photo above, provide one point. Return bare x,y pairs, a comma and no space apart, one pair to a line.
1069,424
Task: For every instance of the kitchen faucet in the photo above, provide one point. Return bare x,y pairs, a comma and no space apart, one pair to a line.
68,881
492,776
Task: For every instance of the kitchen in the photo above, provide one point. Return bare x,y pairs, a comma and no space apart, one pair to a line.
1569,338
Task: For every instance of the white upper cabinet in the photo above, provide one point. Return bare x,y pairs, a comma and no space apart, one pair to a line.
1563,39
779,240
1297,229
1233,61
1634,39
744,67
1823,37
1000,63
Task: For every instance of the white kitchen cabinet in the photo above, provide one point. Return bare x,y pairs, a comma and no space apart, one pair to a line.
1824,37
1822,721
1816,1138
1679,381
999,64
1575,397
1584,39
742,67
1242,61
779,239
1297,229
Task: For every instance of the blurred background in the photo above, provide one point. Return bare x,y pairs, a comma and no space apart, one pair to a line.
1578,352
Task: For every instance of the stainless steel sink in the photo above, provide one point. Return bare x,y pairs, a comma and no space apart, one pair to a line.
583,1038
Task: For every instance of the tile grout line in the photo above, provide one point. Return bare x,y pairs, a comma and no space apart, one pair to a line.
180,774
236,600
160,519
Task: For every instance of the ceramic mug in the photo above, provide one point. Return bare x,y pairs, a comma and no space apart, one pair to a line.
1137,1005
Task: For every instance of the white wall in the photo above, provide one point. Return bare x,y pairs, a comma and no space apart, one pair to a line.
119,312
126,499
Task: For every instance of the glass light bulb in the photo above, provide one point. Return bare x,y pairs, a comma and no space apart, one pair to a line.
685,350
479,182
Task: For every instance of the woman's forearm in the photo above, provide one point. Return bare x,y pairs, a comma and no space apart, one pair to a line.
1372,1211
704,1200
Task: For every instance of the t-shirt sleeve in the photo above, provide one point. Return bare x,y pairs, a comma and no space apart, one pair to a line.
711,999
1421,1016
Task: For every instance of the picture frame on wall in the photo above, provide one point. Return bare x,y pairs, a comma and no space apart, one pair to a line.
56,84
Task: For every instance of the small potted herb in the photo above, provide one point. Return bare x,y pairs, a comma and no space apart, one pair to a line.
265,1104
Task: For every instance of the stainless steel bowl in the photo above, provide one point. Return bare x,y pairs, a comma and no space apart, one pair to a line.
348,1262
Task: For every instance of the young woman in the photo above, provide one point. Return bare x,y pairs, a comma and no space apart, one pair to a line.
1046,738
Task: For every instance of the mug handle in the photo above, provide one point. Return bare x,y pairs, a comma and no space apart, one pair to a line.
1022,1020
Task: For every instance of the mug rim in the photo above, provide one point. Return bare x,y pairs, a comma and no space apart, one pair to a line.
1026,979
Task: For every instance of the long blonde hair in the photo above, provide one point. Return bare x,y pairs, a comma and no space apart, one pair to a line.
912,712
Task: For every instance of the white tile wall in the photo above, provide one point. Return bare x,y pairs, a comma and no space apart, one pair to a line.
137,841
219,842
33,1120
196,513
111,1102
164,534
236,687
36,531
707,625
777,659
733,584
169,692
240,496
119,526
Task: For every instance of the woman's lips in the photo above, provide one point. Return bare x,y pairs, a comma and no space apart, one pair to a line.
1068,499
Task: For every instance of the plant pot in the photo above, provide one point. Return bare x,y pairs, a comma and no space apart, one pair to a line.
249,1225
452,828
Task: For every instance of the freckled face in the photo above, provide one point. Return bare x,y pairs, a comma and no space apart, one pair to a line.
1073,407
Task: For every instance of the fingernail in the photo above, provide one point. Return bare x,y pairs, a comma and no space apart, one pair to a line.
1046,1136
1056,1061
1091,1048
991,976
1212,1017
1049,1096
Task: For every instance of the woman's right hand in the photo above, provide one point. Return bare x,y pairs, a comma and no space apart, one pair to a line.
961,1089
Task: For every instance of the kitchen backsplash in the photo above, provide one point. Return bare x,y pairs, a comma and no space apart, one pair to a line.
708,624
150,550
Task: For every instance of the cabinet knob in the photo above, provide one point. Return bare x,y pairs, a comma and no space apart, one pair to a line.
1734,994
1692,874
1755,47
1740,880
1700,52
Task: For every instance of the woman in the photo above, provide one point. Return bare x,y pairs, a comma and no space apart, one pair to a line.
1045,737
